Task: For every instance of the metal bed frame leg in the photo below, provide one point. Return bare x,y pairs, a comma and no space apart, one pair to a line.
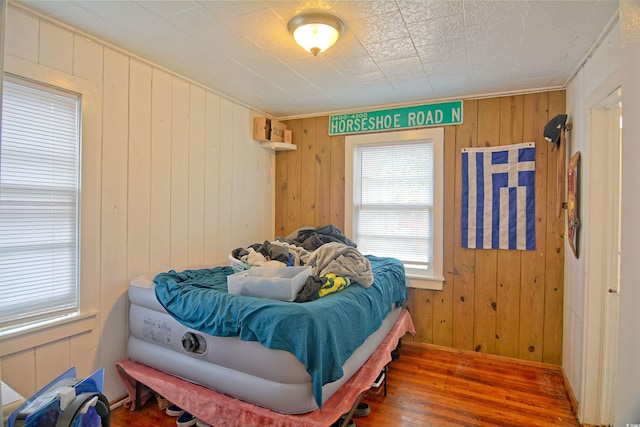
343,421
395,353
386,377
138,393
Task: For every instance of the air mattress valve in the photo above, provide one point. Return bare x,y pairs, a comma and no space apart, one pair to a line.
194,343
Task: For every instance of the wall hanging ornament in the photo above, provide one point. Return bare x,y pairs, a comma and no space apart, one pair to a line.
553,133
573,188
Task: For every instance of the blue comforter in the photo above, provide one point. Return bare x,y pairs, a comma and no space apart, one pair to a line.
322,334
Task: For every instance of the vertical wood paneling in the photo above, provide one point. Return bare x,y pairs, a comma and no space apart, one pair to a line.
21,35
158,160
83,353
533,262
226,175
294,176
553,295
243,196
56,48
309,182
268,161
280,178
160,223
51,360
259,183
88,65
179,173
87,59
508,279
19,371
245,155
212,247
139,194
337,181
265,159
307,153
196,174
495,301
281,187
114,211
443,300
139,170
323,171
464,260
237,185
486,260
420,305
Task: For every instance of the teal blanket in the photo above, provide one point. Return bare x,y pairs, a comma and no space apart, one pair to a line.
322,334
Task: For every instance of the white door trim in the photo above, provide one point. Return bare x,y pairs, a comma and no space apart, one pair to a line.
602,254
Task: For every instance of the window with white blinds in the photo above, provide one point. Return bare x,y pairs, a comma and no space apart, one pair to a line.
393,202
394,199
39,203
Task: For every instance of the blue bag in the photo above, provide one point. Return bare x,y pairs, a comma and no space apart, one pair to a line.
66,402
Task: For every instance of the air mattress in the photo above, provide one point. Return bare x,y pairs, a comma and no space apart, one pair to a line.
247,370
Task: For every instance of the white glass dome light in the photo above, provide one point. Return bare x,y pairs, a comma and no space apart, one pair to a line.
315,32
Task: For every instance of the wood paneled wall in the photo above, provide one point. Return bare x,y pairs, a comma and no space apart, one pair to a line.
171,179
494,301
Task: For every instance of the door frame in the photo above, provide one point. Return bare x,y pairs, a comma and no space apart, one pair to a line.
602,261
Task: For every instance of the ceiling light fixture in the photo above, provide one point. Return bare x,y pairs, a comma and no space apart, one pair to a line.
315,31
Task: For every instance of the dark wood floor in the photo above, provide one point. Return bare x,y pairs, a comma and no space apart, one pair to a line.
436,386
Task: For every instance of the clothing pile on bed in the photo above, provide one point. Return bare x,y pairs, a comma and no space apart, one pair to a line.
335,260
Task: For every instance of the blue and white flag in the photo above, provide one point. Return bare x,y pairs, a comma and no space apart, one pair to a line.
498,197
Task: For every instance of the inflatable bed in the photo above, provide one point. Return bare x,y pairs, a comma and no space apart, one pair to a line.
286,356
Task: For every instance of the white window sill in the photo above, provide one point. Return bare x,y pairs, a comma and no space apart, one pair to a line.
421,282
16,340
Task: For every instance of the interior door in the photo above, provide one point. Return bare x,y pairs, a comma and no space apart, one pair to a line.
602,250
612,264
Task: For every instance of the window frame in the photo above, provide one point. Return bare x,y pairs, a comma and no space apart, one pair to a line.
50,315
86,319
435,280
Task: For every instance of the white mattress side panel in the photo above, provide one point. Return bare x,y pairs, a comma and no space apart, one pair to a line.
251,357
142,292
284,398
360,356
245,381
142,288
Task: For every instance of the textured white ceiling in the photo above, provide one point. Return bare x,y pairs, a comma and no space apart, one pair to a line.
392,52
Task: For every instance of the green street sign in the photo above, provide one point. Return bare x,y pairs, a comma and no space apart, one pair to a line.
417,116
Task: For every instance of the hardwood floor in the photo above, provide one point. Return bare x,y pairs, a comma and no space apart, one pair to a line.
437,386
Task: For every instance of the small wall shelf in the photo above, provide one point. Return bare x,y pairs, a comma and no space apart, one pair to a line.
279,146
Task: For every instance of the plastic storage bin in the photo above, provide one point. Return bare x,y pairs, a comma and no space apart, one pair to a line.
237,264
275,283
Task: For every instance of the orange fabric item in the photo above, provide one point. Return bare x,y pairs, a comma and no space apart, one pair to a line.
220,409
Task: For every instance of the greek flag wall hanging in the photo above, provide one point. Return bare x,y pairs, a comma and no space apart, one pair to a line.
498,197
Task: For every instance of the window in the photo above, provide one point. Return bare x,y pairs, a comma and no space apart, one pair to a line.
39,203
394,199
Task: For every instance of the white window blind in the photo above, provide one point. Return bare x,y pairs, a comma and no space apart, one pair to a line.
393,202
39,196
